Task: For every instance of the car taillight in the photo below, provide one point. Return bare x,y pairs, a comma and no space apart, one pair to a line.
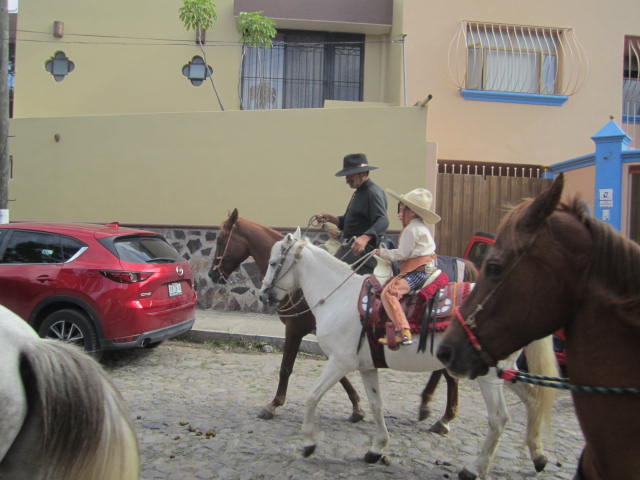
125,276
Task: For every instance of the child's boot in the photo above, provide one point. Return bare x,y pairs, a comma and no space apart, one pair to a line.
405,336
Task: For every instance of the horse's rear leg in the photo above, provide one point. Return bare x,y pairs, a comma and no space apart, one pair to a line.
498,416
451,411
535,423
293,337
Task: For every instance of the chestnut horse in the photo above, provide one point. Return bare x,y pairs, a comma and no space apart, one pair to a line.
553,267
239,239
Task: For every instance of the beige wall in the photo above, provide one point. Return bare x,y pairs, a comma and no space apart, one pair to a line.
581,183
140,70
276,167
506,132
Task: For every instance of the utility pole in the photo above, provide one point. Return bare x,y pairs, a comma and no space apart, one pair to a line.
4,111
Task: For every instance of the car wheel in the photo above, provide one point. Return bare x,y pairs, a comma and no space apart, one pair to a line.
154,344
71,326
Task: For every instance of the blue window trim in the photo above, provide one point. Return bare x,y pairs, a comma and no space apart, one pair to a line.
512,97
631,119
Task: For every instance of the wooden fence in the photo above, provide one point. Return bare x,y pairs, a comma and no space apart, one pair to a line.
476,203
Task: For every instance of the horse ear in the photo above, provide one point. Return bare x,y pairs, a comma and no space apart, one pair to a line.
298,234
543,206
234,215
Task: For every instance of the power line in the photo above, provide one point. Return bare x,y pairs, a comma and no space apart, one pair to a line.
151,41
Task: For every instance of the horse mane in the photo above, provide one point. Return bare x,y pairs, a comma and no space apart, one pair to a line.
338,264
615,259
228,223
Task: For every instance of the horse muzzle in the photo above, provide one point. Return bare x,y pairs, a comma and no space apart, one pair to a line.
266,297
216,276
461,360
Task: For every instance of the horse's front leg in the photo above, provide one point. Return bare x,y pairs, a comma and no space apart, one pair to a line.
498,416
427,394
331,373
292,338
357,413
381,437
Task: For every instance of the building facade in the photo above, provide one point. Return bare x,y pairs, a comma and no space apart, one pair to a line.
510,83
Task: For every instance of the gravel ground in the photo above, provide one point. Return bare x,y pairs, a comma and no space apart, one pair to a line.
195,407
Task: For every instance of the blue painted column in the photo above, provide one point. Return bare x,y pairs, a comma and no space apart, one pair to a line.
610,142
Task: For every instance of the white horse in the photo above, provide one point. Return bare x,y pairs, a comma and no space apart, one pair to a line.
60,416
332,289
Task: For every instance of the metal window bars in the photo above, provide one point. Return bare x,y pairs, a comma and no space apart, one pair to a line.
517,58
631,89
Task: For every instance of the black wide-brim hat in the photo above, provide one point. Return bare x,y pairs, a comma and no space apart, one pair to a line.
354,163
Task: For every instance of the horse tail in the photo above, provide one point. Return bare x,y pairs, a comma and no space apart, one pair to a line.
86,431
470,271
541,360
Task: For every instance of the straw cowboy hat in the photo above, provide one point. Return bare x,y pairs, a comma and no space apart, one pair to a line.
419,200
354,163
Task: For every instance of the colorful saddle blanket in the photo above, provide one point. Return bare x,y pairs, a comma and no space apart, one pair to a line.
428,310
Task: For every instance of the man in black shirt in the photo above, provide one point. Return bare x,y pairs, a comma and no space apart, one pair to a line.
366,217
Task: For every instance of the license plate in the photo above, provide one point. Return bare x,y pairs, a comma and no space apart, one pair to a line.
175,289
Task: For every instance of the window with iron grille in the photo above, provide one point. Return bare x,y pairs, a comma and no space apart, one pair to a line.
631,81
303,69
512,59
517,59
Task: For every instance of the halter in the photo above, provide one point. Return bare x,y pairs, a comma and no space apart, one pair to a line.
469,324
217,263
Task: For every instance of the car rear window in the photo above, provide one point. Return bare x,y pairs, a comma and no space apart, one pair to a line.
144,249
25,246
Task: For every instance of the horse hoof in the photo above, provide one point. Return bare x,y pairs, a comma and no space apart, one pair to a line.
308,450
423,414
540,462
265,414
465,474
356,417
440,428
371,457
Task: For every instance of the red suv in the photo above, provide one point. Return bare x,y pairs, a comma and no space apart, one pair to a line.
99,286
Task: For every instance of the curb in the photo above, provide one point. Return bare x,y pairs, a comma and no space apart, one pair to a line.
202,336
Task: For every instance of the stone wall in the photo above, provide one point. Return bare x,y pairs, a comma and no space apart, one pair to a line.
198,245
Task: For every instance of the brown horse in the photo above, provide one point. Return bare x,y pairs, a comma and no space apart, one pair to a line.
554,267
239,239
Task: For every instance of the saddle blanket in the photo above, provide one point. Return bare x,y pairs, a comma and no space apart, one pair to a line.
446,296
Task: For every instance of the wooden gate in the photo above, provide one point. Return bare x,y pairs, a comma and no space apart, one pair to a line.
476,203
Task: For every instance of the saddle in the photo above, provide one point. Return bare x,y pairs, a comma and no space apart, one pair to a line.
429,309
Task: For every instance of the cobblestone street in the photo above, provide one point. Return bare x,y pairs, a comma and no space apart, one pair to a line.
195,410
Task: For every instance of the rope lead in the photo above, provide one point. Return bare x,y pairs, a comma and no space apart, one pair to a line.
512,375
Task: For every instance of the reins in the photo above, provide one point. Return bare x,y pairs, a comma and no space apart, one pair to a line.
512,375
358,263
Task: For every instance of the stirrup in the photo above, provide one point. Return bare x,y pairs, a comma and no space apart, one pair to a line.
406,341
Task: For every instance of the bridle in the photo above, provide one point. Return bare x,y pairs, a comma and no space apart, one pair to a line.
217,262
278,274
469,324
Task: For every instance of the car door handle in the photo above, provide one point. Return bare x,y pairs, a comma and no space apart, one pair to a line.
44,278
